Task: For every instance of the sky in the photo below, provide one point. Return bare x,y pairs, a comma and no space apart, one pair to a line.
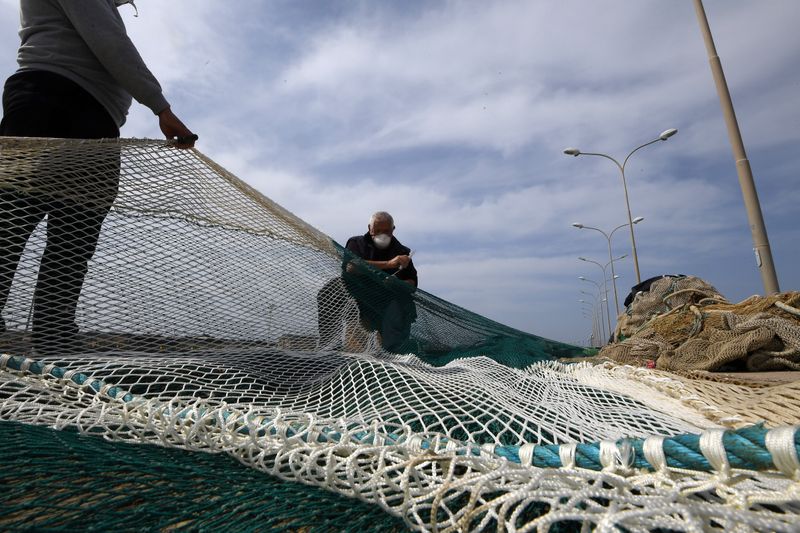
453,116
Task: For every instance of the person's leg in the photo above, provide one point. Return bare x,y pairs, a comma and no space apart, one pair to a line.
396,325
19,216
72,233
25,114
73,229
78,198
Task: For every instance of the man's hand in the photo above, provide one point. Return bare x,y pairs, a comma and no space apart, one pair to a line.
172,128
400,261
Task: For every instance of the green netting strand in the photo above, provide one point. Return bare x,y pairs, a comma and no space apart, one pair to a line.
63,481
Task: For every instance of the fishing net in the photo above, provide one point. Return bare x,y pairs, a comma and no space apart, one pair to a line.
230,340
683,323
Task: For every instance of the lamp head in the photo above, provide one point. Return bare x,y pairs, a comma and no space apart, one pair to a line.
582,259
582,278
573,151
637,220
578,225
667,134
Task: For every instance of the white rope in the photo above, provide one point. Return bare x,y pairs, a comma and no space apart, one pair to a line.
526,454
713,449
608,453
780,443
567,454
788,308
653,449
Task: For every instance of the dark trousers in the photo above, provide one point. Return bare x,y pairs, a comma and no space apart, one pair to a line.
75,194
383,306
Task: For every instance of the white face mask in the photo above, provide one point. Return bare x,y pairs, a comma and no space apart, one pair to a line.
382,241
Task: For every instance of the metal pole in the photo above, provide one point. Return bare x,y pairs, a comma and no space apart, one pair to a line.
595,332
613,274
591,318
608,310
757,228
597,328
599,303
604,337
613,279
630,224
602,290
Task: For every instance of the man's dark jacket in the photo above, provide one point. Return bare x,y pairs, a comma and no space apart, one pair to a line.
364,247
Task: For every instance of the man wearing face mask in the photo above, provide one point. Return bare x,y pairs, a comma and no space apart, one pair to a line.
384,301
379,248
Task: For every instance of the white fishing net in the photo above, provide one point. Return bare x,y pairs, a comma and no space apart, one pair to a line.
199,327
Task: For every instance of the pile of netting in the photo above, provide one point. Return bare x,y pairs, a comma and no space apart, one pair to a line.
682,323
221,369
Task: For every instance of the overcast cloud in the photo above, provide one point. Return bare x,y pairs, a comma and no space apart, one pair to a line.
453,116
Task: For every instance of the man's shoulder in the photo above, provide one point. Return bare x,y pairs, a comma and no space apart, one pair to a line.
356,243
356,239
400,249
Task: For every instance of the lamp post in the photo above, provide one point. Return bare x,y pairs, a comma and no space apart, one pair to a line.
599,303
666,134
753,207
587,307
602,290
611,259
590,317
598,322
601,330
603,268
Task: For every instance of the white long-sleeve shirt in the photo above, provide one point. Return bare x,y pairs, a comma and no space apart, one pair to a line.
86,41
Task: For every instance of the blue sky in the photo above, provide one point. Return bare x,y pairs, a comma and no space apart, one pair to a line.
453,117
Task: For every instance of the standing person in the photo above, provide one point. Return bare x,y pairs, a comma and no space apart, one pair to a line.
78,72
385,302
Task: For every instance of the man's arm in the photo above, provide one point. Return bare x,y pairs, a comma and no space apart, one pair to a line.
103,31
399,261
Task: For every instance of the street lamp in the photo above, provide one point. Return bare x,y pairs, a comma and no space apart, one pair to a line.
608,238
591,317
601,329
666,134
589,307
603,268
597,323
599,303
601,290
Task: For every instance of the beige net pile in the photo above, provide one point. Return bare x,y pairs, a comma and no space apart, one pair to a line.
683,323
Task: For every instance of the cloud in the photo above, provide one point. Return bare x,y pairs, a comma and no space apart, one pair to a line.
453,116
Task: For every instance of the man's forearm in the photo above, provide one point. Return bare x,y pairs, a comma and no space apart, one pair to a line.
382,265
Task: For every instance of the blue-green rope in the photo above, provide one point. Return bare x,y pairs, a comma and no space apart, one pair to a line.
745,448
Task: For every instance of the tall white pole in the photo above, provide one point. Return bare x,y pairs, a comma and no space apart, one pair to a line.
752,205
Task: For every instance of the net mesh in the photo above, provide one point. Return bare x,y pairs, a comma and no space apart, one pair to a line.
152,297
683,323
